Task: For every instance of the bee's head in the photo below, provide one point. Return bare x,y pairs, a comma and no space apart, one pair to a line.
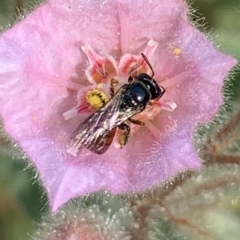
155,90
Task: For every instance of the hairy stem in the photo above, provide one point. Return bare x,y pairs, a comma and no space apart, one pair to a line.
179,221
140,211
19,7
225,181
229,127
224,158
173,184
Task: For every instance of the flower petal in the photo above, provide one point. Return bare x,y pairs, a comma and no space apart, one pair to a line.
143,20
82,21
160,159
197,89
81,179
39,56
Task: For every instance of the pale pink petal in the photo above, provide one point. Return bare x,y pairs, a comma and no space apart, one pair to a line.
158,160
89,22
141,21
197,77
39,57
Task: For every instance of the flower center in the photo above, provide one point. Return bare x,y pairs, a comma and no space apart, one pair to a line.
115,96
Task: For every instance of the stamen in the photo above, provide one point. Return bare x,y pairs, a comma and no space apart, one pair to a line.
75,111
169,106
128,64
92,56
101,69
171,82
135,64
149,51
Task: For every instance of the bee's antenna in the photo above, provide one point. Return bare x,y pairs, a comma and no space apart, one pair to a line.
148,63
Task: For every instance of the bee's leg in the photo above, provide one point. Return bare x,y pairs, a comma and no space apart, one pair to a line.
150,103
137,122
130,79
123,138
114,83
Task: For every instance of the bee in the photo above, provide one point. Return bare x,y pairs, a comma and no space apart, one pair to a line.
96,133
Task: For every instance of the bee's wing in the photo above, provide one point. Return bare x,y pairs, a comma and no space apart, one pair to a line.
97,131
101,143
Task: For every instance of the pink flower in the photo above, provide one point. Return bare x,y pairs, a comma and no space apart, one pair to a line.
44,59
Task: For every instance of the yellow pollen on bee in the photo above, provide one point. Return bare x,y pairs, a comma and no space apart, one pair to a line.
96,98
122,139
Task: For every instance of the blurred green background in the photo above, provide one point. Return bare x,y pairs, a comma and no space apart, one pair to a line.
21,199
